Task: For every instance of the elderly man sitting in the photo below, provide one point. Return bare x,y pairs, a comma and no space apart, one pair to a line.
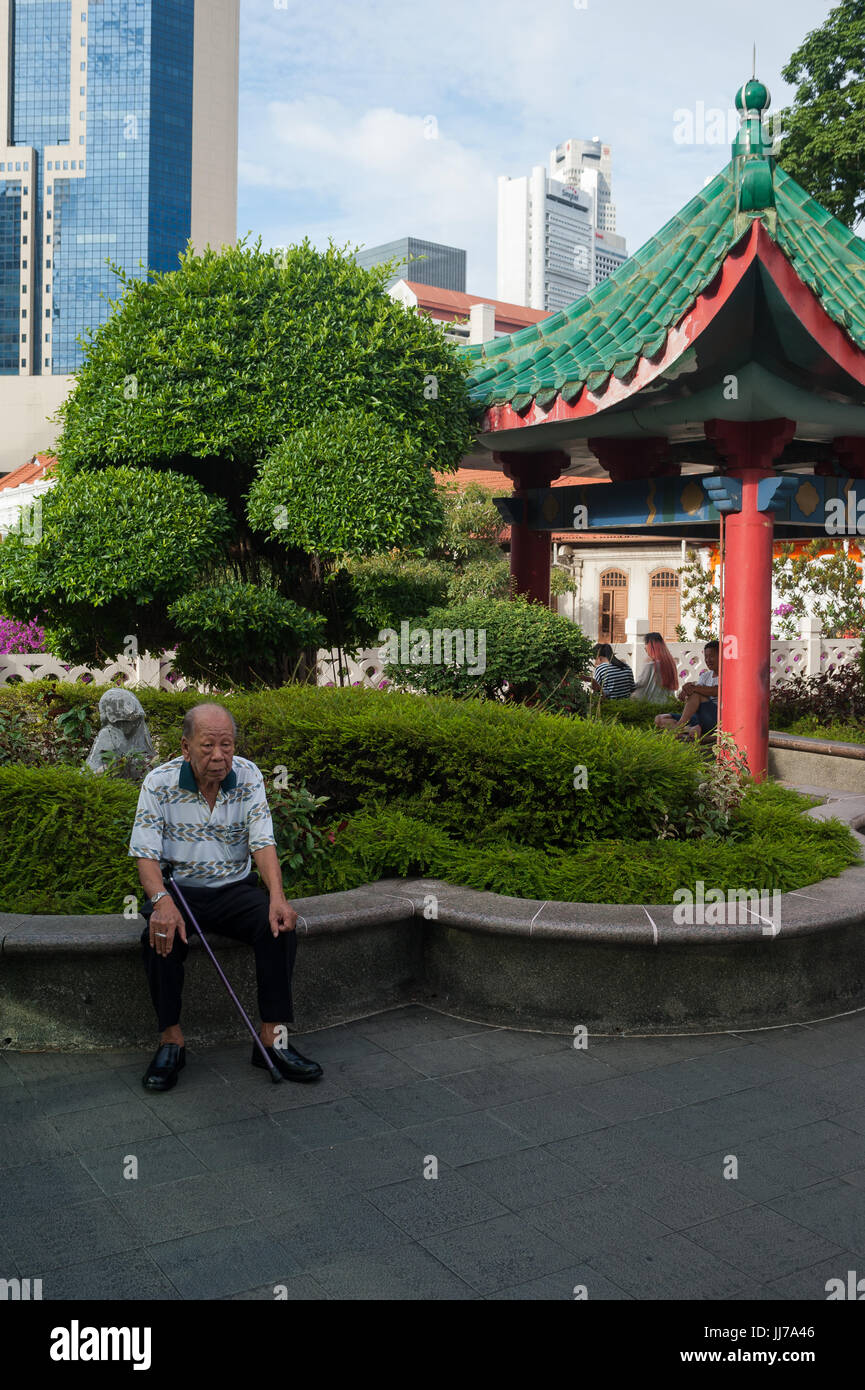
205,815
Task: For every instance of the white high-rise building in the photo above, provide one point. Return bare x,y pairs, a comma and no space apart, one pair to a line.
557,230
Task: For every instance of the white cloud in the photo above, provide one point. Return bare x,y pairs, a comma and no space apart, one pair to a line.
378,175
341,152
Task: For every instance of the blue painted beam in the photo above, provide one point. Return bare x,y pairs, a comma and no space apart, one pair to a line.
813,504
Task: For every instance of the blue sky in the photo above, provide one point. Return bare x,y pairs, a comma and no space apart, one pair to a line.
366,120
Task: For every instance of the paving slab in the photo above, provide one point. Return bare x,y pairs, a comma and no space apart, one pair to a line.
441,1159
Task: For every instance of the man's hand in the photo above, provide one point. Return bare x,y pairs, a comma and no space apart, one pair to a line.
165,919
688,689
282,916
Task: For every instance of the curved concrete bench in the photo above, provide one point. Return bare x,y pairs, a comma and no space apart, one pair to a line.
817,762
78,981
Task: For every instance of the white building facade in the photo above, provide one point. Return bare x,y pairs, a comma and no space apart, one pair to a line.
622,580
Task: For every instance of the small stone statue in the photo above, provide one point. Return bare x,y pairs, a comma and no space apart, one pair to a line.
123,730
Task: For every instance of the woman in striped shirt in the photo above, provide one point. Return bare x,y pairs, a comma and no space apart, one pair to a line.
613,678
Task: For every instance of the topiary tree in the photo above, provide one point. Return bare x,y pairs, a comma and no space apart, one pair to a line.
117,547
297,366
347,484
206,369
494,648
229,632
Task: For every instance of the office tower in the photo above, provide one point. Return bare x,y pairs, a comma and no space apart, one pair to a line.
118,141
442,266
556,229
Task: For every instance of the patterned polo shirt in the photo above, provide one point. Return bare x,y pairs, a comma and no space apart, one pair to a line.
205,849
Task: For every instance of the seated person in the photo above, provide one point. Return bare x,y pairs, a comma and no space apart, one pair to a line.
659,679
700,714
613,678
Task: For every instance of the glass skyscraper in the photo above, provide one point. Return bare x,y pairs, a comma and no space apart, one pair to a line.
424,262
106,131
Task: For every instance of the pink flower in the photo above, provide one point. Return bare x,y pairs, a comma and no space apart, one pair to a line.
20,637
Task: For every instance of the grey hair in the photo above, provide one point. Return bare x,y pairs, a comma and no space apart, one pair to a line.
188,728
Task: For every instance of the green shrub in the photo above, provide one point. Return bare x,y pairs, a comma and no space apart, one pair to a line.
116,547
390,588
518,646
238,634
476,767
322,489
64,840
783,850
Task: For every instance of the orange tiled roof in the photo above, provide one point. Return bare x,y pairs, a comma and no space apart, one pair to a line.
456,304
32,472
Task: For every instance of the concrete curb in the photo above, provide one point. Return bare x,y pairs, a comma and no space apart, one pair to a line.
499,959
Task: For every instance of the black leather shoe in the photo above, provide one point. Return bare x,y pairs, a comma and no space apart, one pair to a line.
168,1060
292,1064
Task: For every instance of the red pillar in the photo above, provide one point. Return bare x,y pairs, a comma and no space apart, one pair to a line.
750,448
530,549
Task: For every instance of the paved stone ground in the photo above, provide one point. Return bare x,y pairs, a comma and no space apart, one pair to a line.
556,1167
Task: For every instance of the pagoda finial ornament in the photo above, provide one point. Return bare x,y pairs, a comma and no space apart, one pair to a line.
752,150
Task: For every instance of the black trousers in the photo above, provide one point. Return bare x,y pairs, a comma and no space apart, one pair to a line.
241,911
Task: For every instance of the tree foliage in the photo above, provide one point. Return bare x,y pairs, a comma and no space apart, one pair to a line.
207,369
824,129
347,484
117,548
236,634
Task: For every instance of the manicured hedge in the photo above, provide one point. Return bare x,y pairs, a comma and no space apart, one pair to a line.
477,769
776,848
64,838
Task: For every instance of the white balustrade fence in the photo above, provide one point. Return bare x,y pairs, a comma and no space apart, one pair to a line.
36,666
809,655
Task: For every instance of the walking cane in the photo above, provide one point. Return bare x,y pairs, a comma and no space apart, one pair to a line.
275,1074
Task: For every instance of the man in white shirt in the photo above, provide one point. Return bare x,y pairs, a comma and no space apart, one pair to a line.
700,714
205,816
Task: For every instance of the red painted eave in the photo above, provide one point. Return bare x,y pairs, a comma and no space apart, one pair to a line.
756,244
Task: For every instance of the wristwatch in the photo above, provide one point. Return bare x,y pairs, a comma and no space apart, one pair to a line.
156,896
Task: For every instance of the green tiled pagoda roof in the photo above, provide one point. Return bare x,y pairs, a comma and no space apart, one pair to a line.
628,316
826,255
